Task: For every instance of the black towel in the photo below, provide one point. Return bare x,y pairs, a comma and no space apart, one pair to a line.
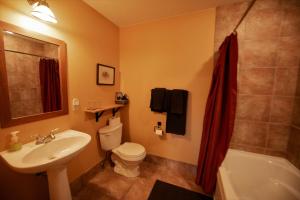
176,113
178,101
167,100
157,103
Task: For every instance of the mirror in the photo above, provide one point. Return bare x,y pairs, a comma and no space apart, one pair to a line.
33,76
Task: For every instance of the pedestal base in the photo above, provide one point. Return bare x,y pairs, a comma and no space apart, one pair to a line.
59,188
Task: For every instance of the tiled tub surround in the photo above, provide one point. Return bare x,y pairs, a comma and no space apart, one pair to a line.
23,73
106,184
294,140
269,57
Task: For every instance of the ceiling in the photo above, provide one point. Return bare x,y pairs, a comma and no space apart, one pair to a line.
129,12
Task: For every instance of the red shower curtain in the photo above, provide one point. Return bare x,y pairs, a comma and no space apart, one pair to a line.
50,85
219,115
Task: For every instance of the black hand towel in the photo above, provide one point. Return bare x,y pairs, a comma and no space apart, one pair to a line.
157,103
176,114
178,101
167,100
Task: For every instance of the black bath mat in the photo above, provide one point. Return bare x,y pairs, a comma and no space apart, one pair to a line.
166,191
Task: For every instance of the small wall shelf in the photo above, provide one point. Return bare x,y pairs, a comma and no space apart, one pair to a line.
99,111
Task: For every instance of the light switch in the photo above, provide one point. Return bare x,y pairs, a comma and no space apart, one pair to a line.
75,103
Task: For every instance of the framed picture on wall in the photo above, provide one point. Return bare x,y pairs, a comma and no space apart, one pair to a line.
105,75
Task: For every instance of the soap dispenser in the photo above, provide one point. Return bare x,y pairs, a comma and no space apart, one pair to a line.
15,145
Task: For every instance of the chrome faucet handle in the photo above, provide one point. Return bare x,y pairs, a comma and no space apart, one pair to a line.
52,136
54,130
52,133
39,139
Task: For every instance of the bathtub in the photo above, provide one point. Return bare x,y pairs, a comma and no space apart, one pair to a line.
250,176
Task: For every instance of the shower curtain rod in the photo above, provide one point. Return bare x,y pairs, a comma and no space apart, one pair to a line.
244,15
29,54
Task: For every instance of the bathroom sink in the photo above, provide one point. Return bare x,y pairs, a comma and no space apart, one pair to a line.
57,151
34,158
51,157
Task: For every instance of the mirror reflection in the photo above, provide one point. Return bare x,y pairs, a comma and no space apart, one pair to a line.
33,75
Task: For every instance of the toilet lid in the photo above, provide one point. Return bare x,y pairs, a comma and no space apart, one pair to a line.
129,149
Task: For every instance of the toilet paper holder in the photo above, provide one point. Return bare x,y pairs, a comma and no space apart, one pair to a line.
158,127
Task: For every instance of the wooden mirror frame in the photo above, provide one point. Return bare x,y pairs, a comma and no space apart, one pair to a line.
5,114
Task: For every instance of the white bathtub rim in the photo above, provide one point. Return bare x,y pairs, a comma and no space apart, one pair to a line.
284,163
225,182
226,189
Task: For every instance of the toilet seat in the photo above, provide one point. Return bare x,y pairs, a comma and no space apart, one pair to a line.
130,151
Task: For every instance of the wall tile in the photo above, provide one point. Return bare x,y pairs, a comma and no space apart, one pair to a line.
273,152
269,58
296,112
251,107
14,95
10,66
226,19
13,42
294,146
285,58
50,50
298,85
290,3
229,15
286,81
265,4
290,43
282,109
291,22
234,9
247,148
23,75
256,80
278,137
262,23
250,133
258,53
288,53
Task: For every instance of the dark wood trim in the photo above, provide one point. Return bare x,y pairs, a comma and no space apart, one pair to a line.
4,99
97,74
5,114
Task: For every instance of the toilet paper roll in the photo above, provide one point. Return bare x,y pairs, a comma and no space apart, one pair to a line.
113,121
159,132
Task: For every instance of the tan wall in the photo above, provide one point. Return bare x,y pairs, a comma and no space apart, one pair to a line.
90,39
173,53
268,71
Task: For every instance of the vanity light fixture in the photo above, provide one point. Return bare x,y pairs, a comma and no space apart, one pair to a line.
41,10
9,32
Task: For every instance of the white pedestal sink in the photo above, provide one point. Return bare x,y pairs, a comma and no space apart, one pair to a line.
51,157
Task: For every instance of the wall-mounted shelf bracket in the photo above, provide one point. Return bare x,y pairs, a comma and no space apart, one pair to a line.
115,110
98,115
99,111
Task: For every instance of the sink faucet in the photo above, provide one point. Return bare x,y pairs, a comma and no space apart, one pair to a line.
47,138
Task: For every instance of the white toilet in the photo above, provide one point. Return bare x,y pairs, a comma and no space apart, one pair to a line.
127,156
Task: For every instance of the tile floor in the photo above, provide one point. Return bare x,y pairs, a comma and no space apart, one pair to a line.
107,185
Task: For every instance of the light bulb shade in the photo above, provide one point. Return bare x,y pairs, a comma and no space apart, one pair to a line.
35,4
43,12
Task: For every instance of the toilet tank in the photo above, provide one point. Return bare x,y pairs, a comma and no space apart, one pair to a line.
110,136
